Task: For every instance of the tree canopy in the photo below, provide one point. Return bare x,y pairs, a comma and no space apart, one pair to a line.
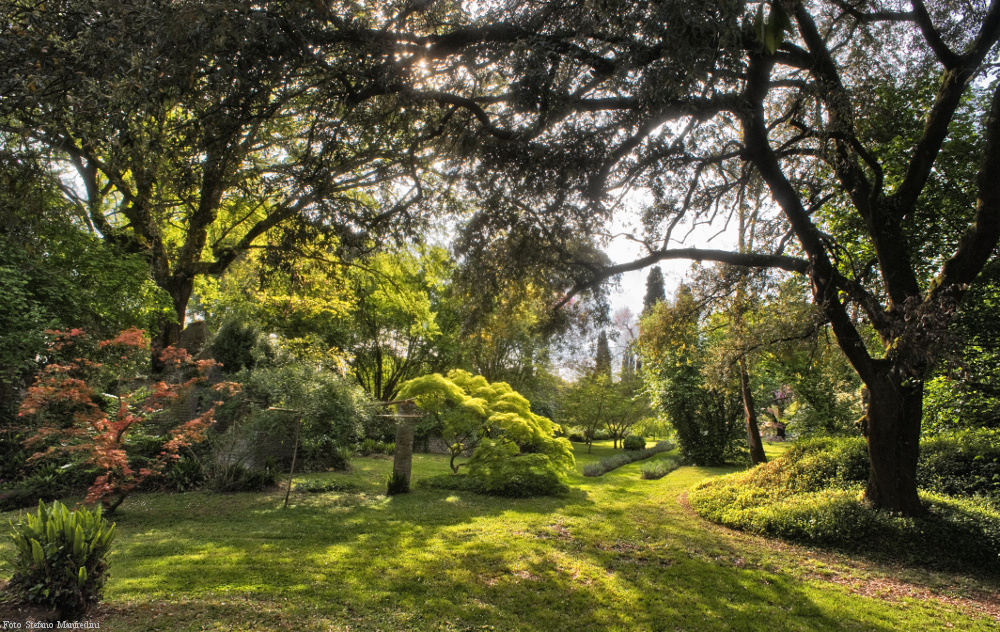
570,108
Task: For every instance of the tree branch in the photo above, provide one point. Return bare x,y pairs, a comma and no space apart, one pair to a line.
750,260
978,243
945,55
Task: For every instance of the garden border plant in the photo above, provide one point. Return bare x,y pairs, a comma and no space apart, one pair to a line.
610,463
59,560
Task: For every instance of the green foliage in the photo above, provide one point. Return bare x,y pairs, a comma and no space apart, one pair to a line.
185,474
633,442
499,469
813,493
323,453
510,444
708,418
335,412
602,361
53,275
963,463
397,484
394,333
658,469
957,533
600,407
59,561
237,345
368,446
618,460
237,477
655,290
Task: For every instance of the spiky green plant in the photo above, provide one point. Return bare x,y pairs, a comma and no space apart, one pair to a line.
59,558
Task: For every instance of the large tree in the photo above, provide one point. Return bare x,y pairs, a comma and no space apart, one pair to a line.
189,131
576,109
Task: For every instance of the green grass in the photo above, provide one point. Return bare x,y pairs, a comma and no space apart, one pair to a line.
617,553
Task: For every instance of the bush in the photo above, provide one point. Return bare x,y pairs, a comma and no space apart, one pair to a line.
185,475
658,469
503,470
813,494
368,446
237,478
337,412
632,443
525,482
963,463
238,345
618,460
323,453
577,437
59,561
710,427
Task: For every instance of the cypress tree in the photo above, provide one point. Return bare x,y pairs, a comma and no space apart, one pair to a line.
655,291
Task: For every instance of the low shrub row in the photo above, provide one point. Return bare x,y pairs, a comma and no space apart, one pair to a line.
658,469
614,462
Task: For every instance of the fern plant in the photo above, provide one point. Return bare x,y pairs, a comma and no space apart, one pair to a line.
59,560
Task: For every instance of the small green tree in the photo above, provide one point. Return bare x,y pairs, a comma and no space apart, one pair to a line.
508,441
708,419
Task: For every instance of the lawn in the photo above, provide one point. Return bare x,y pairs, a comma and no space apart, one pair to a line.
618,553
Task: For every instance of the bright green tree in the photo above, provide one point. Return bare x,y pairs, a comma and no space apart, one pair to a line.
496,422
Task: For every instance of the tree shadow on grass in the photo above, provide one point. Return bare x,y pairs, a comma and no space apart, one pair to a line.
620,554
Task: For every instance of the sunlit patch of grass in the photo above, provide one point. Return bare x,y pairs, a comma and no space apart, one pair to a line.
617,553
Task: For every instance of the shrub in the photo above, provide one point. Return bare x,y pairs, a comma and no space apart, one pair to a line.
76,419
367,447
963,463
238,478
323,453
496,423
59,561
336,411
237,346
633,442
17,498
813,494
525,483
618,460
185,475
658,469
577,437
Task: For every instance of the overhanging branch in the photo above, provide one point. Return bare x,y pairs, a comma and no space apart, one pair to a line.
749,260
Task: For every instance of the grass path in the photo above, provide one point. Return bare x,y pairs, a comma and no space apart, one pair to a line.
619,553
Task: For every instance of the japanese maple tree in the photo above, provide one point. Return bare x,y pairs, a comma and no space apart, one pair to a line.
92,396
